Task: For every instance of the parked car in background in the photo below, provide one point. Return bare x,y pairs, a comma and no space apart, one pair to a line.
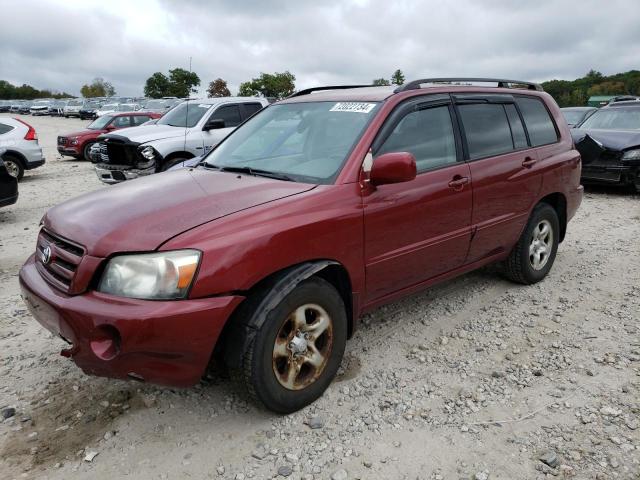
89,110
72,108
8,184
56,108
624,98
609,142
319,208
25,107
21,143
5,105
78,144
40,107
107,108
128,107
189,130
161,105
576,115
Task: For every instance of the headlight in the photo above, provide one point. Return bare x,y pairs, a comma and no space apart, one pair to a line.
152,276
148,152
74,141
631,155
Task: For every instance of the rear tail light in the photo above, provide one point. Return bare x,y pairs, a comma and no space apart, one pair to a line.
31,133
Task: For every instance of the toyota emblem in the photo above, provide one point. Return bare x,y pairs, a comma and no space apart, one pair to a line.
46,255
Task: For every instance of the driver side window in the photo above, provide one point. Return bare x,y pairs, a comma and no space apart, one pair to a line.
229,113
427,134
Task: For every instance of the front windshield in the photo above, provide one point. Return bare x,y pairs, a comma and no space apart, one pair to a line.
307,142
109,106
155,104
614,118
75,103
573,116
42,102
126,107
100,122
187,114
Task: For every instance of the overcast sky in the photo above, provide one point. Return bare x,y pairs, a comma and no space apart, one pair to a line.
64,44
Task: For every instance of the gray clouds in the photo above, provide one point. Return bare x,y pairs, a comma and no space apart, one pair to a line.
62,45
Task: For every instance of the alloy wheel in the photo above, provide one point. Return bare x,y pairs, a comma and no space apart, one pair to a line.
12,168
541,245
303,347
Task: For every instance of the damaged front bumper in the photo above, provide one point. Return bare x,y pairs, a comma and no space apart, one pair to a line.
157,341
111,174
117,159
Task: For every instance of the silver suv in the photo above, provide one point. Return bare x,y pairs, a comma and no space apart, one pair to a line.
21,143
189,130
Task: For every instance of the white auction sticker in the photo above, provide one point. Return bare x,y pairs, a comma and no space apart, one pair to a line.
358,107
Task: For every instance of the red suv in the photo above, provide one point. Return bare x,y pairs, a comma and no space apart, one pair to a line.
317,209
78,144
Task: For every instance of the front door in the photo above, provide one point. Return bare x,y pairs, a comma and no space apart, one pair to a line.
230,114
417,230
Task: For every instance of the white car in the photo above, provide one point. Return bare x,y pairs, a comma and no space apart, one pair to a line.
128,107
191,129
21,143
107,108
40,107
72,108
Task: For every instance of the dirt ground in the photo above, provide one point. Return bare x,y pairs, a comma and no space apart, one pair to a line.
477,378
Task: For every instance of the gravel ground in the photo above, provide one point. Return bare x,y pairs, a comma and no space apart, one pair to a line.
474,379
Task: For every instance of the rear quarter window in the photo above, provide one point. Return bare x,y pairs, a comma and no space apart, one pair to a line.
5,128
540,126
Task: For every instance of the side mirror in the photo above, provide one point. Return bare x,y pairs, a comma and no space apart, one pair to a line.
110,127
394,167
214,124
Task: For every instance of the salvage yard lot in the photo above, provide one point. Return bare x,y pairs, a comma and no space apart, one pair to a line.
476,378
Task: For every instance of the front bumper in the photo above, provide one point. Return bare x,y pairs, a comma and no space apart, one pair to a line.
611,174
164,342
117,174
69,149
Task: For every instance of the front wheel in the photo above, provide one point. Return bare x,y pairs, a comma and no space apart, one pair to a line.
297,351
534,254
86,151
14,166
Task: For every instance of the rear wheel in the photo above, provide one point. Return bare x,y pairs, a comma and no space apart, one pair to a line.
295,354
534,254
14,166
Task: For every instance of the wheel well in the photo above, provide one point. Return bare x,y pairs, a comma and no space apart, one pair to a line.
231,339
17,156
559,203
174,155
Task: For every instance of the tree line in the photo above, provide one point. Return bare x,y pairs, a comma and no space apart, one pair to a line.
577,92
27,92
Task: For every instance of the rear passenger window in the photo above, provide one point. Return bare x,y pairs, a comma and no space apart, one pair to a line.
140,119
486,128
427,134
229,113
251,108
5,128
121,122
541,128
517,130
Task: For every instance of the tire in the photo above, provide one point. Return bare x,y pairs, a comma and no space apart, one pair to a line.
14,166
534,254
264,369
85,151
170,163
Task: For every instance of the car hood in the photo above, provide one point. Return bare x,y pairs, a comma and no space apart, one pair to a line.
149,133
142,214
610,139
82,133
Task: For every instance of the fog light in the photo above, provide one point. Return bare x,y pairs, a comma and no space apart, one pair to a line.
106,344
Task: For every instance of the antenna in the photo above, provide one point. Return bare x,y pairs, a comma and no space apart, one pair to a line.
186,115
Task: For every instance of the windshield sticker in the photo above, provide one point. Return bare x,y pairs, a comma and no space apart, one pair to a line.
203,105
357,107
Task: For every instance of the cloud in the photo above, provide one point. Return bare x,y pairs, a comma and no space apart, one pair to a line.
64,45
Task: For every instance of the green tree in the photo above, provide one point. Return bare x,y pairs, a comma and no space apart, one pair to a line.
218,88
157,86
182,82
276,85
397,78
98,88
380,82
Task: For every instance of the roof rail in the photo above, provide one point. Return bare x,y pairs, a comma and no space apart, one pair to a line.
415,84
307,91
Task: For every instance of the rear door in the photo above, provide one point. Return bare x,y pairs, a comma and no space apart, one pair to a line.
506,181
420,229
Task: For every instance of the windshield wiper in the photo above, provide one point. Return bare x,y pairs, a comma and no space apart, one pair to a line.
252,171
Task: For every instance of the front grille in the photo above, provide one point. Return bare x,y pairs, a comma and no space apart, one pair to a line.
62,140
608,157
59,267
118,153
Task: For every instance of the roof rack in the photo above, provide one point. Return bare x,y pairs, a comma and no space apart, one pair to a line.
307,91
415,84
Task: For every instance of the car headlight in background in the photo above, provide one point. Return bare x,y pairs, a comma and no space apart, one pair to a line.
74,141
148,152
151,276
631,155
